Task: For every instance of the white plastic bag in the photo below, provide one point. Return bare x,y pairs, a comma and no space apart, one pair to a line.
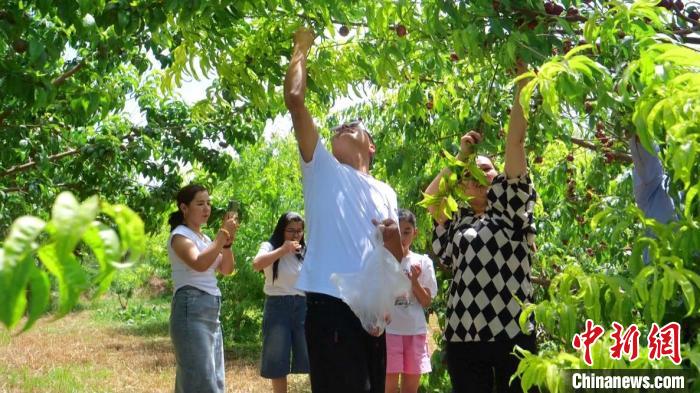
372,291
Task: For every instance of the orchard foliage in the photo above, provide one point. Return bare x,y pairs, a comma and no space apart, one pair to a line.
36,249
427,72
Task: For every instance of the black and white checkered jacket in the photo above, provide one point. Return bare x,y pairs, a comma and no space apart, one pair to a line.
490,260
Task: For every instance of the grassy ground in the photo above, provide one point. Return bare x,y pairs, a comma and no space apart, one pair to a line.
105,349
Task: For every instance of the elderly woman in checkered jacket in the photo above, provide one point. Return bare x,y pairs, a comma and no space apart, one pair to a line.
486,244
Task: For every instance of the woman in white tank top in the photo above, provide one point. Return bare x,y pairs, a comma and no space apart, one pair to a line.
194,319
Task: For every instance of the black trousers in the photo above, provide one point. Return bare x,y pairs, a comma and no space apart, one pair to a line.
343,357
475,366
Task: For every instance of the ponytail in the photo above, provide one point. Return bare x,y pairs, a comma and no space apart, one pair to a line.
175,219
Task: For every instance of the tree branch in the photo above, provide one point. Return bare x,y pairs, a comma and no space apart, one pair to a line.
684,32
15,189
680,15
541,281
691,40
25,190
618,156
576,18
58,81
31,164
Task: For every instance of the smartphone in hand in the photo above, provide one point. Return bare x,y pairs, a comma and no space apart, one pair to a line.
233,209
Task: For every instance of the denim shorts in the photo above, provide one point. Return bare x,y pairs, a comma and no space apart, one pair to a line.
199,348
283,333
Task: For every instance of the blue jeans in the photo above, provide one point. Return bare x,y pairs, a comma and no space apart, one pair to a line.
196,334
283,333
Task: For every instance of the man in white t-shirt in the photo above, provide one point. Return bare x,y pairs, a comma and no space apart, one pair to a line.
341,200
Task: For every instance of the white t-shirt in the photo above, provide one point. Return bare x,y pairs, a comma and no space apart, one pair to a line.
185,275
340,203
407,316
287,274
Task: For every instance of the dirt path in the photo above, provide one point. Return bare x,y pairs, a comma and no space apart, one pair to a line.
77,354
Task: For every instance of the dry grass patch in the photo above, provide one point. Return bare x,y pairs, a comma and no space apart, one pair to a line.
78,354
88,352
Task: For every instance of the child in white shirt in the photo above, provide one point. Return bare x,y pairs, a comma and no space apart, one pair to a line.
406,335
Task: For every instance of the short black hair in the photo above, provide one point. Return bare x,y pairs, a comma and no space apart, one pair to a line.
408,216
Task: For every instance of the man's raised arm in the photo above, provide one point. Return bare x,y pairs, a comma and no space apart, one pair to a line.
295,91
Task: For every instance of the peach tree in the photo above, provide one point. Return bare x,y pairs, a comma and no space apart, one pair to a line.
424,73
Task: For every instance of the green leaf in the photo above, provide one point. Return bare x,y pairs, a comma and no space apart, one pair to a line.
641,284
567,320
488,119
686,288
526,95
693,192
36,49
525,75
71,278
554,378
131,230
69,220
451,205
39,296
104,243
476,173
15,267
577,49
657,305
599,217
591,297
442,185
524,318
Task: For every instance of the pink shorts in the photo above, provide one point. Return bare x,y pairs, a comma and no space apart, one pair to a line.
407,354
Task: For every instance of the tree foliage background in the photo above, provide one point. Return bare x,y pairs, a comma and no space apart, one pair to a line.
427,72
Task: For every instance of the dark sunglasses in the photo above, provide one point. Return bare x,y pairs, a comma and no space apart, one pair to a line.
355,124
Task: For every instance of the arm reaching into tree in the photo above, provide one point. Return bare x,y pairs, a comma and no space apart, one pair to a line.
294,94
650,187
465,148
651,184
517,128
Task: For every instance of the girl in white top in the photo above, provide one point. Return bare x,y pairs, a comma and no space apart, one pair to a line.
406,335
195,329
285,306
